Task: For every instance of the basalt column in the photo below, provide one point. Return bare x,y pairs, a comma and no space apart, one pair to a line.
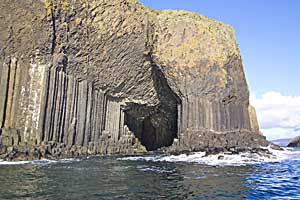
74,111
20,99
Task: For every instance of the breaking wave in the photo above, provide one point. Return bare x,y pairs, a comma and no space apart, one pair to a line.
224,159
221,159
38,162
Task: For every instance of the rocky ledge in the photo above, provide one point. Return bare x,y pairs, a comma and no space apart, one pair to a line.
115,77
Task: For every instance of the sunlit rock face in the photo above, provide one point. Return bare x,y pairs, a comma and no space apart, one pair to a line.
100,76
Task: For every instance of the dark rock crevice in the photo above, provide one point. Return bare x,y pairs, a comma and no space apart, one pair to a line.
53,25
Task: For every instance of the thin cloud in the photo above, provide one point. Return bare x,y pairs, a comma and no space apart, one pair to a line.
278,115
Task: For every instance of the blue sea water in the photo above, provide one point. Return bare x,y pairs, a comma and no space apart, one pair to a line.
195,176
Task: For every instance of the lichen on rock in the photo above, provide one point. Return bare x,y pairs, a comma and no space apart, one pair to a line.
106,77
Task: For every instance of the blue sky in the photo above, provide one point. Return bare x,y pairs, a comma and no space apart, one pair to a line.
268,33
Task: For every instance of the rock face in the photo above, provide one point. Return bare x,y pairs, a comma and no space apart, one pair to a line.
294,142
102,76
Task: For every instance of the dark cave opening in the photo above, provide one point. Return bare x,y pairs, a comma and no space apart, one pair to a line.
157,126
151,134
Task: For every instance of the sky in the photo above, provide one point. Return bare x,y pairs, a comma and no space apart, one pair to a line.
268,33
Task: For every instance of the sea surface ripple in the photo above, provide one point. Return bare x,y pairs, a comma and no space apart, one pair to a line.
193,176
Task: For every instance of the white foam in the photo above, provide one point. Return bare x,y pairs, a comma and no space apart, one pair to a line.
223,159
155,169
38,162
199,157
13,162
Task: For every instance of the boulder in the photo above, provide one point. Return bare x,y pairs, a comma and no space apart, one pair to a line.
294,142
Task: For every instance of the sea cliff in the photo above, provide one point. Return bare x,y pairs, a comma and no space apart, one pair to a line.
85,77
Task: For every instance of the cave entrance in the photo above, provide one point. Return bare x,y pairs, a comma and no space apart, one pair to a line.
156,126
153,132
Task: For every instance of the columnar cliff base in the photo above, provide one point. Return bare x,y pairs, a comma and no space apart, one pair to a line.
85,77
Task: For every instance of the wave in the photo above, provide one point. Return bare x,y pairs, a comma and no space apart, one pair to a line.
2,162
39,162
155,169
223,159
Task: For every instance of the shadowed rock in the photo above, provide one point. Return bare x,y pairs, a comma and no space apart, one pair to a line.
294,142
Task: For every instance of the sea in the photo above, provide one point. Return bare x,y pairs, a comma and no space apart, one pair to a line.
155,176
